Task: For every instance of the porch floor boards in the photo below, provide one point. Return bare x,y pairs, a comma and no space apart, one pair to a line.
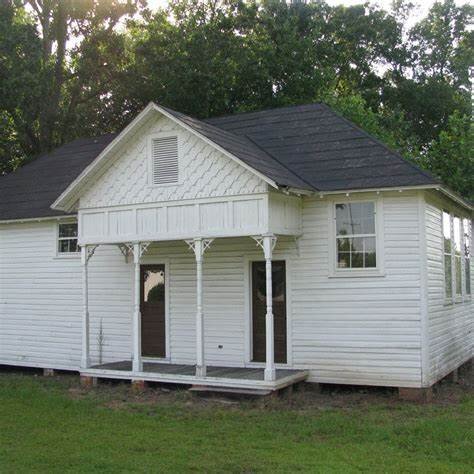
247,373
238,378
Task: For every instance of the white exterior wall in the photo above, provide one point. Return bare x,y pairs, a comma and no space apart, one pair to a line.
450,325
41,299
358,330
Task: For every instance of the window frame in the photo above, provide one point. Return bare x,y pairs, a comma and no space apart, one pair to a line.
378,270
156,136
59,254
455,297
448,299
457,259
466,261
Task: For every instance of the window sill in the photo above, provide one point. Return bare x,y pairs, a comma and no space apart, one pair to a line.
357,274
67,256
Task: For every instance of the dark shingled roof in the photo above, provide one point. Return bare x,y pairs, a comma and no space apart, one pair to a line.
30,191
307,147
329,152
245,149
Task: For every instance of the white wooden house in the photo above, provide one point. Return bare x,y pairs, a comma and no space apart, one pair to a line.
248,251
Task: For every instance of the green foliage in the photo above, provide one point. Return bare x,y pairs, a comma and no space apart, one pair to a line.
93,64
451,157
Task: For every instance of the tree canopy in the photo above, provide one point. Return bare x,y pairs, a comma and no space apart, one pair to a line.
73,68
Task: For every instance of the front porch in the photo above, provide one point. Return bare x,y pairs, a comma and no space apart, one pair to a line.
216,377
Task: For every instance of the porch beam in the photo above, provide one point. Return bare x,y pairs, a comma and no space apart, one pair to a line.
199,246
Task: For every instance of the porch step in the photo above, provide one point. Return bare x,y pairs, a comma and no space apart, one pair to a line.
233,391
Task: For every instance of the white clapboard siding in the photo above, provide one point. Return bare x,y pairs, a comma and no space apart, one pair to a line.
41,300
450,326
343,330
164,155
359,330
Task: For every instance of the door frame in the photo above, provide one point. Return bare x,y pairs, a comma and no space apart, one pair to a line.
247,262
165,263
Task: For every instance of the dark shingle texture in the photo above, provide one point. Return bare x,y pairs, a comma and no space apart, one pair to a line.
246,150
30,191
326,150
307,147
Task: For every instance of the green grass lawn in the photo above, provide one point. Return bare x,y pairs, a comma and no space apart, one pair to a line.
51,425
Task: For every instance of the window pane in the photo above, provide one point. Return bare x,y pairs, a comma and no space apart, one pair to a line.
457,262
447,276
357,260
447,232
357,244
457,235
355,218
369,244
370,260
63,246
467,237
468,276
154,286
343,245
68,230
343,260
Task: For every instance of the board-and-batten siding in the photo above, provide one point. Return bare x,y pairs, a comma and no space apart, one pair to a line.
450,326
344,330
41,300
362,330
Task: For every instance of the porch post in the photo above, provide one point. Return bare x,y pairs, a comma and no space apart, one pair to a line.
85,354
200,363
137,332
268,244
199,246
86,253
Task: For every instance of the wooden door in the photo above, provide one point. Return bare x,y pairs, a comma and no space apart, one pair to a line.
259,309
152,308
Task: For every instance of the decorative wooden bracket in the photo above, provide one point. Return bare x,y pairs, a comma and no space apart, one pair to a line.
126,251
260,239
89,252
199,250
130,249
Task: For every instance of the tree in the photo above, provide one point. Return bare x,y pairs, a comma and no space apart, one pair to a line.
20,67
451,156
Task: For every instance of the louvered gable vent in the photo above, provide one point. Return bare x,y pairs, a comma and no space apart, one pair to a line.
165,160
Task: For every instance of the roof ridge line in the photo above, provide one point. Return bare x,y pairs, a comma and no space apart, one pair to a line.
234,114
280,163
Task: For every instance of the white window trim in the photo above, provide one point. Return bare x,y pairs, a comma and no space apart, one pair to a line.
378,271
59,254
457,297
155,136
447,299
466,296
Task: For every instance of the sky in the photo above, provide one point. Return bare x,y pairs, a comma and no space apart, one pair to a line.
422,6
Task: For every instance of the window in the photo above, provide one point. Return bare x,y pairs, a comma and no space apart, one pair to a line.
355,235
448,288
457,256
467,254
67,238
164,157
